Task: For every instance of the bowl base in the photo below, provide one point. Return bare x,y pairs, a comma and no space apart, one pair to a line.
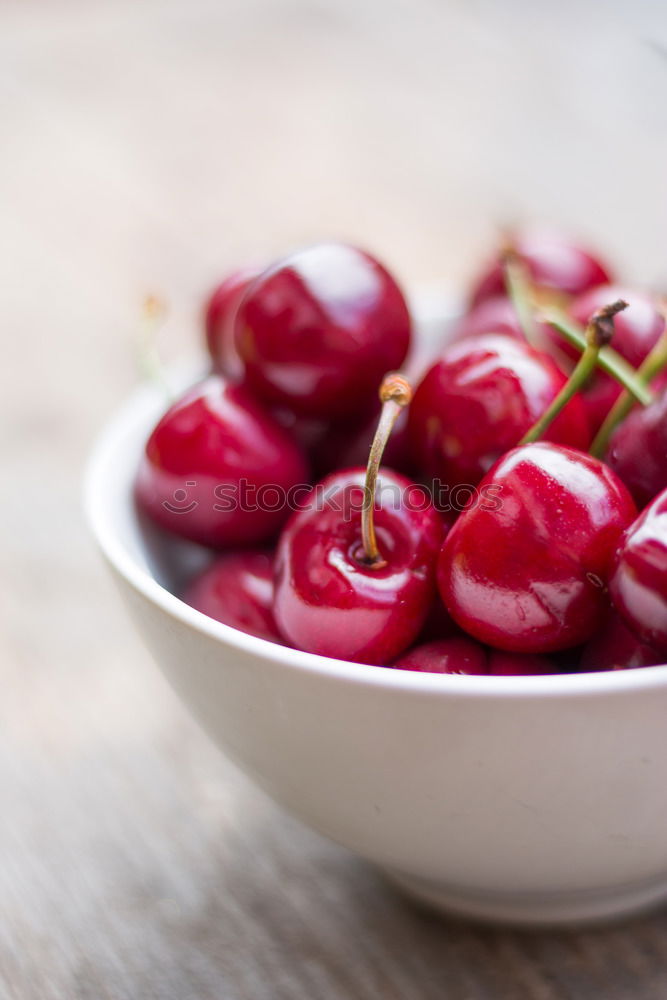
524,910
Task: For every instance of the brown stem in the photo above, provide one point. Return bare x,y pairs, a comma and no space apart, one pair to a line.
609,360
599,332
395,393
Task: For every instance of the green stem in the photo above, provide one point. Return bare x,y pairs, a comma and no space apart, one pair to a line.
599,332
652,365
609,360
518,289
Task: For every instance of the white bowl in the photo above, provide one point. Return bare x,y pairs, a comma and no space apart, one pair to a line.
529,800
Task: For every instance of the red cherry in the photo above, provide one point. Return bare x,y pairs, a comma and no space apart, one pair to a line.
329,599
616,647
637,328
439,624
219,320
493,315
344,446
345,443
527,572
638,450
306,431
217,468
318,330
463,655
497,315
639,583
446,656
503,664
551,261
354,569
237,590
636,331
479,399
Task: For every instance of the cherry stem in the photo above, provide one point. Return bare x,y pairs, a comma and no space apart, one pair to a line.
653,364
599,332
148,359
518,287
395,393
609,360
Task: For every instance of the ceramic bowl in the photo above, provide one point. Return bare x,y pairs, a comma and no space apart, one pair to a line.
528,800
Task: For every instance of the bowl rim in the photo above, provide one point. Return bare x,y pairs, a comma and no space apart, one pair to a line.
146,401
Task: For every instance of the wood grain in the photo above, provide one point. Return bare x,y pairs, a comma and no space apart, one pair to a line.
148,147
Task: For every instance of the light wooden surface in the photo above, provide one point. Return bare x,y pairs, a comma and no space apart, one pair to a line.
148,147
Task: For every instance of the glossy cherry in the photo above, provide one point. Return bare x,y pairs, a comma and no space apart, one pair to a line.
552,262
345,445
639,582
637,328
638,450
216,469
329,598
355,567
219,320
445,656
318,330
497,315
504,664
479,400
462,655
439,624
528,572
636,331
306,431
237,590
616,647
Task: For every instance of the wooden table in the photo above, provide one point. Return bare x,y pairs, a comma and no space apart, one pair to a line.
149,147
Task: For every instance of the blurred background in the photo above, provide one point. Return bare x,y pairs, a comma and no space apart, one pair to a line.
150,147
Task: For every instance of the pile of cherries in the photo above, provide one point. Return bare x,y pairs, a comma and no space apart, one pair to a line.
509,516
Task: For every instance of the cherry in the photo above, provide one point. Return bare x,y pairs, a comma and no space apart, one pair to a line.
462,655
497,315
343,446
638,451
237,590
318,330
527,572
479,399
551,261
446,656
329,598
492,315
639,582
310,434
616,647
503,664
355,571
216,468
636,332
438,624
219,318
